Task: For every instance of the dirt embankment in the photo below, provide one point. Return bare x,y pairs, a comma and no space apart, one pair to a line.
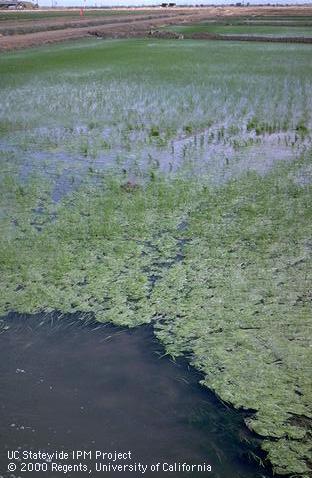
35,32
46,24
168,34
258,38
115,28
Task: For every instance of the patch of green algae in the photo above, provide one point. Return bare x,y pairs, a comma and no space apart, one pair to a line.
240,305
222,273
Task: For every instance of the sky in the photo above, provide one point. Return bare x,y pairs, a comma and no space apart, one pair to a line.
116,3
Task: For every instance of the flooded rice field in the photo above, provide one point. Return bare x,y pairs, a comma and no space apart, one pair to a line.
167,183
213,153
210,116
67,384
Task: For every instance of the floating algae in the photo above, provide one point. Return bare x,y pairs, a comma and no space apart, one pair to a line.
231,290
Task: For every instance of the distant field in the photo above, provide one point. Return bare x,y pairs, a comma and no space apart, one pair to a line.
275,18
22,29
30,32
268,19
266,30
67,14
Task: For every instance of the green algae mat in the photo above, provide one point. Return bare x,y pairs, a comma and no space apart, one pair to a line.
163,182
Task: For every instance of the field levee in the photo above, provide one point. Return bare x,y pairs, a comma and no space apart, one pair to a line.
37,28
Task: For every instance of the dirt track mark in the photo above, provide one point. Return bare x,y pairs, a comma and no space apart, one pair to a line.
15,28
135,25
112,29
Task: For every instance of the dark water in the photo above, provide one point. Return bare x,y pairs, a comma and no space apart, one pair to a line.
65,385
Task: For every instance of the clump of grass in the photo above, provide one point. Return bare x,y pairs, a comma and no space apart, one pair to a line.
302,128
262,127
84,149
105,144
188,129
154,132
92,125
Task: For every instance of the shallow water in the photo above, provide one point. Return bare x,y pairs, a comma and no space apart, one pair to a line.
219,160
67,385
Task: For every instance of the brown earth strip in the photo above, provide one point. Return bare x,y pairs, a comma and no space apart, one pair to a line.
114,29
15,28
141,25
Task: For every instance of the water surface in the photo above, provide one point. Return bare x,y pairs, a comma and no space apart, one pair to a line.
67,384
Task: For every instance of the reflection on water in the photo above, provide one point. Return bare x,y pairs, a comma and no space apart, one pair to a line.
67,384
213,152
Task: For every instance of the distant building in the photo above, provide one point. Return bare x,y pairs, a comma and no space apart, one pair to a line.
17,4
8,3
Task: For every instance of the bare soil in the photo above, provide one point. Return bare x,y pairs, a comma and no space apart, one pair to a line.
36,25
35,32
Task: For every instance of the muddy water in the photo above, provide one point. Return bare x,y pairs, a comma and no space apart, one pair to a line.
68,385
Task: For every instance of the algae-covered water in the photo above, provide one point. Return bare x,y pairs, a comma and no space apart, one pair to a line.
68,384
164,183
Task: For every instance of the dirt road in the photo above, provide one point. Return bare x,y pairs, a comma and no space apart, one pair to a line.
16,34
121,28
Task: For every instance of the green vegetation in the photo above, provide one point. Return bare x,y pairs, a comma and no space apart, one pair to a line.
244,29
67,14
299,18
271,26
99,214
